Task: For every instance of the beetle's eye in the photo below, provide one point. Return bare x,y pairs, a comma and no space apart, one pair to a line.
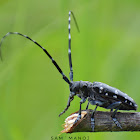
84,87
96,89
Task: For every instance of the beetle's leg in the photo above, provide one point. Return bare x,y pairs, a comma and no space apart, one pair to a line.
115,106
92,118
97,103
79,115
87,106
71,97
115,119
68,105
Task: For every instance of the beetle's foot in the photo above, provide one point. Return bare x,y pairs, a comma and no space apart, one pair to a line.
78,118
117,123
92,124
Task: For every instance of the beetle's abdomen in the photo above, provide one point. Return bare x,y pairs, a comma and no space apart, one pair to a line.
112,94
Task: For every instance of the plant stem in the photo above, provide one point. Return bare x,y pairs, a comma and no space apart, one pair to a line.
129,121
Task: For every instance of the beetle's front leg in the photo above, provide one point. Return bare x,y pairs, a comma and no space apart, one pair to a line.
71,97
87,106
79,115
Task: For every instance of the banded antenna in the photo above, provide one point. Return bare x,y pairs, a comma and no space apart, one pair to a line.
53,61
71,96
69,50
47,53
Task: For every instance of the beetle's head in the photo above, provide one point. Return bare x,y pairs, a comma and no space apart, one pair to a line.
78,87
74,87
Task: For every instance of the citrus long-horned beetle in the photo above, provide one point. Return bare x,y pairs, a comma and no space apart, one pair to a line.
96,93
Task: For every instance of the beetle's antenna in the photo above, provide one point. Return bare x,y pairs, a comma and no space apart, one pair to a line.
69,50
70,60
53,61
75,21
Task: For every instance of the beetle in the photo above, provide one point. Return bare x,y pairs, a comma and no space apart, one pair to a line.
97,93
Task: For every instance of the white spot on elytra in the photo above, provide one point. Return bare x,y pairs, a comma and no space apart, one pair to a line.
106,94
115,96
116,91
101,89
130,103
125,101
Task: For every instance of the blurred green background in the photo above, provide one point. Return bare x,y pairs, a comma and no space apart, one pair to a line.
32,92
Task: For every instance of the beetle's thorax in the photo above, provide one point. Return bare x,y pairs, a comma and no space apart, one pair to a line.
80,86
